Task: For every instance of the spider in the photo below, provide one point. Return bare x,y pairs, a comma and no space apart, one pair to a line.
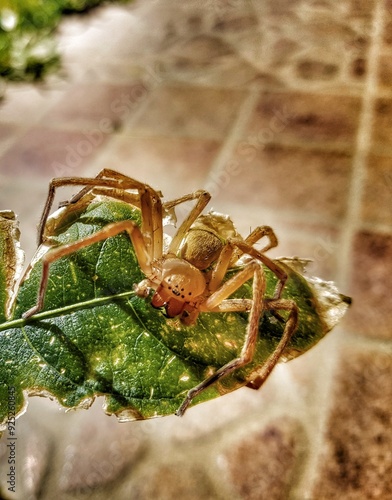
188,277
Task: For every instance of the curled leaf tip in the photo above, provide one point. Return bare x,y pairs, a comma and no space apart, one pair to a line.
332,304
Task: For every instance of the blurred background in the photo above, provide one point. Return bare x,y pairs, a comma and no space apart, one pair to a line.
282,109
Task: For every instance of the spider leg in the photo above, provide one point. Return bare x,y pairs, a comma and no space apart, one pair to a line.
257,234
117,194
289,329
108,231
225,261
212,304
113,179
104,173
202,197
150,202
272,265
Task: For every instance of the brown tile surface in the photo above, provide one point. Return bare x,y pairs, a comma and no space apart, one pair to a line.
316,70
165,483
286,178
8,133
385,71
359,68
319,243
371,313
43,151
306,118
25,104
377,198
235,21
357,459
325,41
360,8
103,105
388,28
262,464
190,112
99,461
37,450
172,165
208,60
382,123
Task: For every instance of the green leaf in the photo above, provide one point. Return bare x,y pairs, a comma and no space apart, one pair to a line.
96,337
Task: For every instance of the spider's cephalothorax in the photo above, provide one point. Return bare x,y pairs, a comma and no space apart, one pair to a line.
180,284
189,276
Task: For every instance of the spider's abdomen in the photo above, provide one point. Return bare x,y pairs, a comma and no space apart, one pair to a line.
201,248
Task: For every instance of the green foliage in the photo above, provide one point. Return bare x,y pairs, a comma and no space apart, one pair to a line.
96,337
27,47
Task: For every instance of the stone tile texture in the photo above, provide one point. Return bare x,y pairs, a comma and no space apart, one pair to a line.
283,111
263,465
357,454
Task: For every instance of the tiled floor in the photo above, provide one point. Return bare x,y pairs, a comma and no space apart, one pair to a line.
283,110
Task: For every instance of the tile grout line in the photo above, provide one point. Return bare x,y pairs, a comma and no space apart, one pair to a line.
351,224
363,146
248,105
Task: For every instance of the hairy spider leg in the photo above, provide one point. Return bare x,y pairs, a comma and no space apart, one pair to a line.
137,239
120,193
249,346
202,197
257,234
290,327
115,193
150,203
225,260
256,308
110,174
273,266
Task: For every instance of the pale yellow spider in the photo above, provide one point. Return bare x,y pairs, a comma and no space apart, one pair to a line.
187,278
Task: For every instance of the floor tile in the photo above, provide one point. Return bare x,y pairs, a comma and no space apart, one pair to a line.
371,313
209,60
385,71
306,118
48,152
175,166
25,104
8,134
287,179
387,38
262,464
382,124
98,106
190,112
164,482
377,197
357,454
324,40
